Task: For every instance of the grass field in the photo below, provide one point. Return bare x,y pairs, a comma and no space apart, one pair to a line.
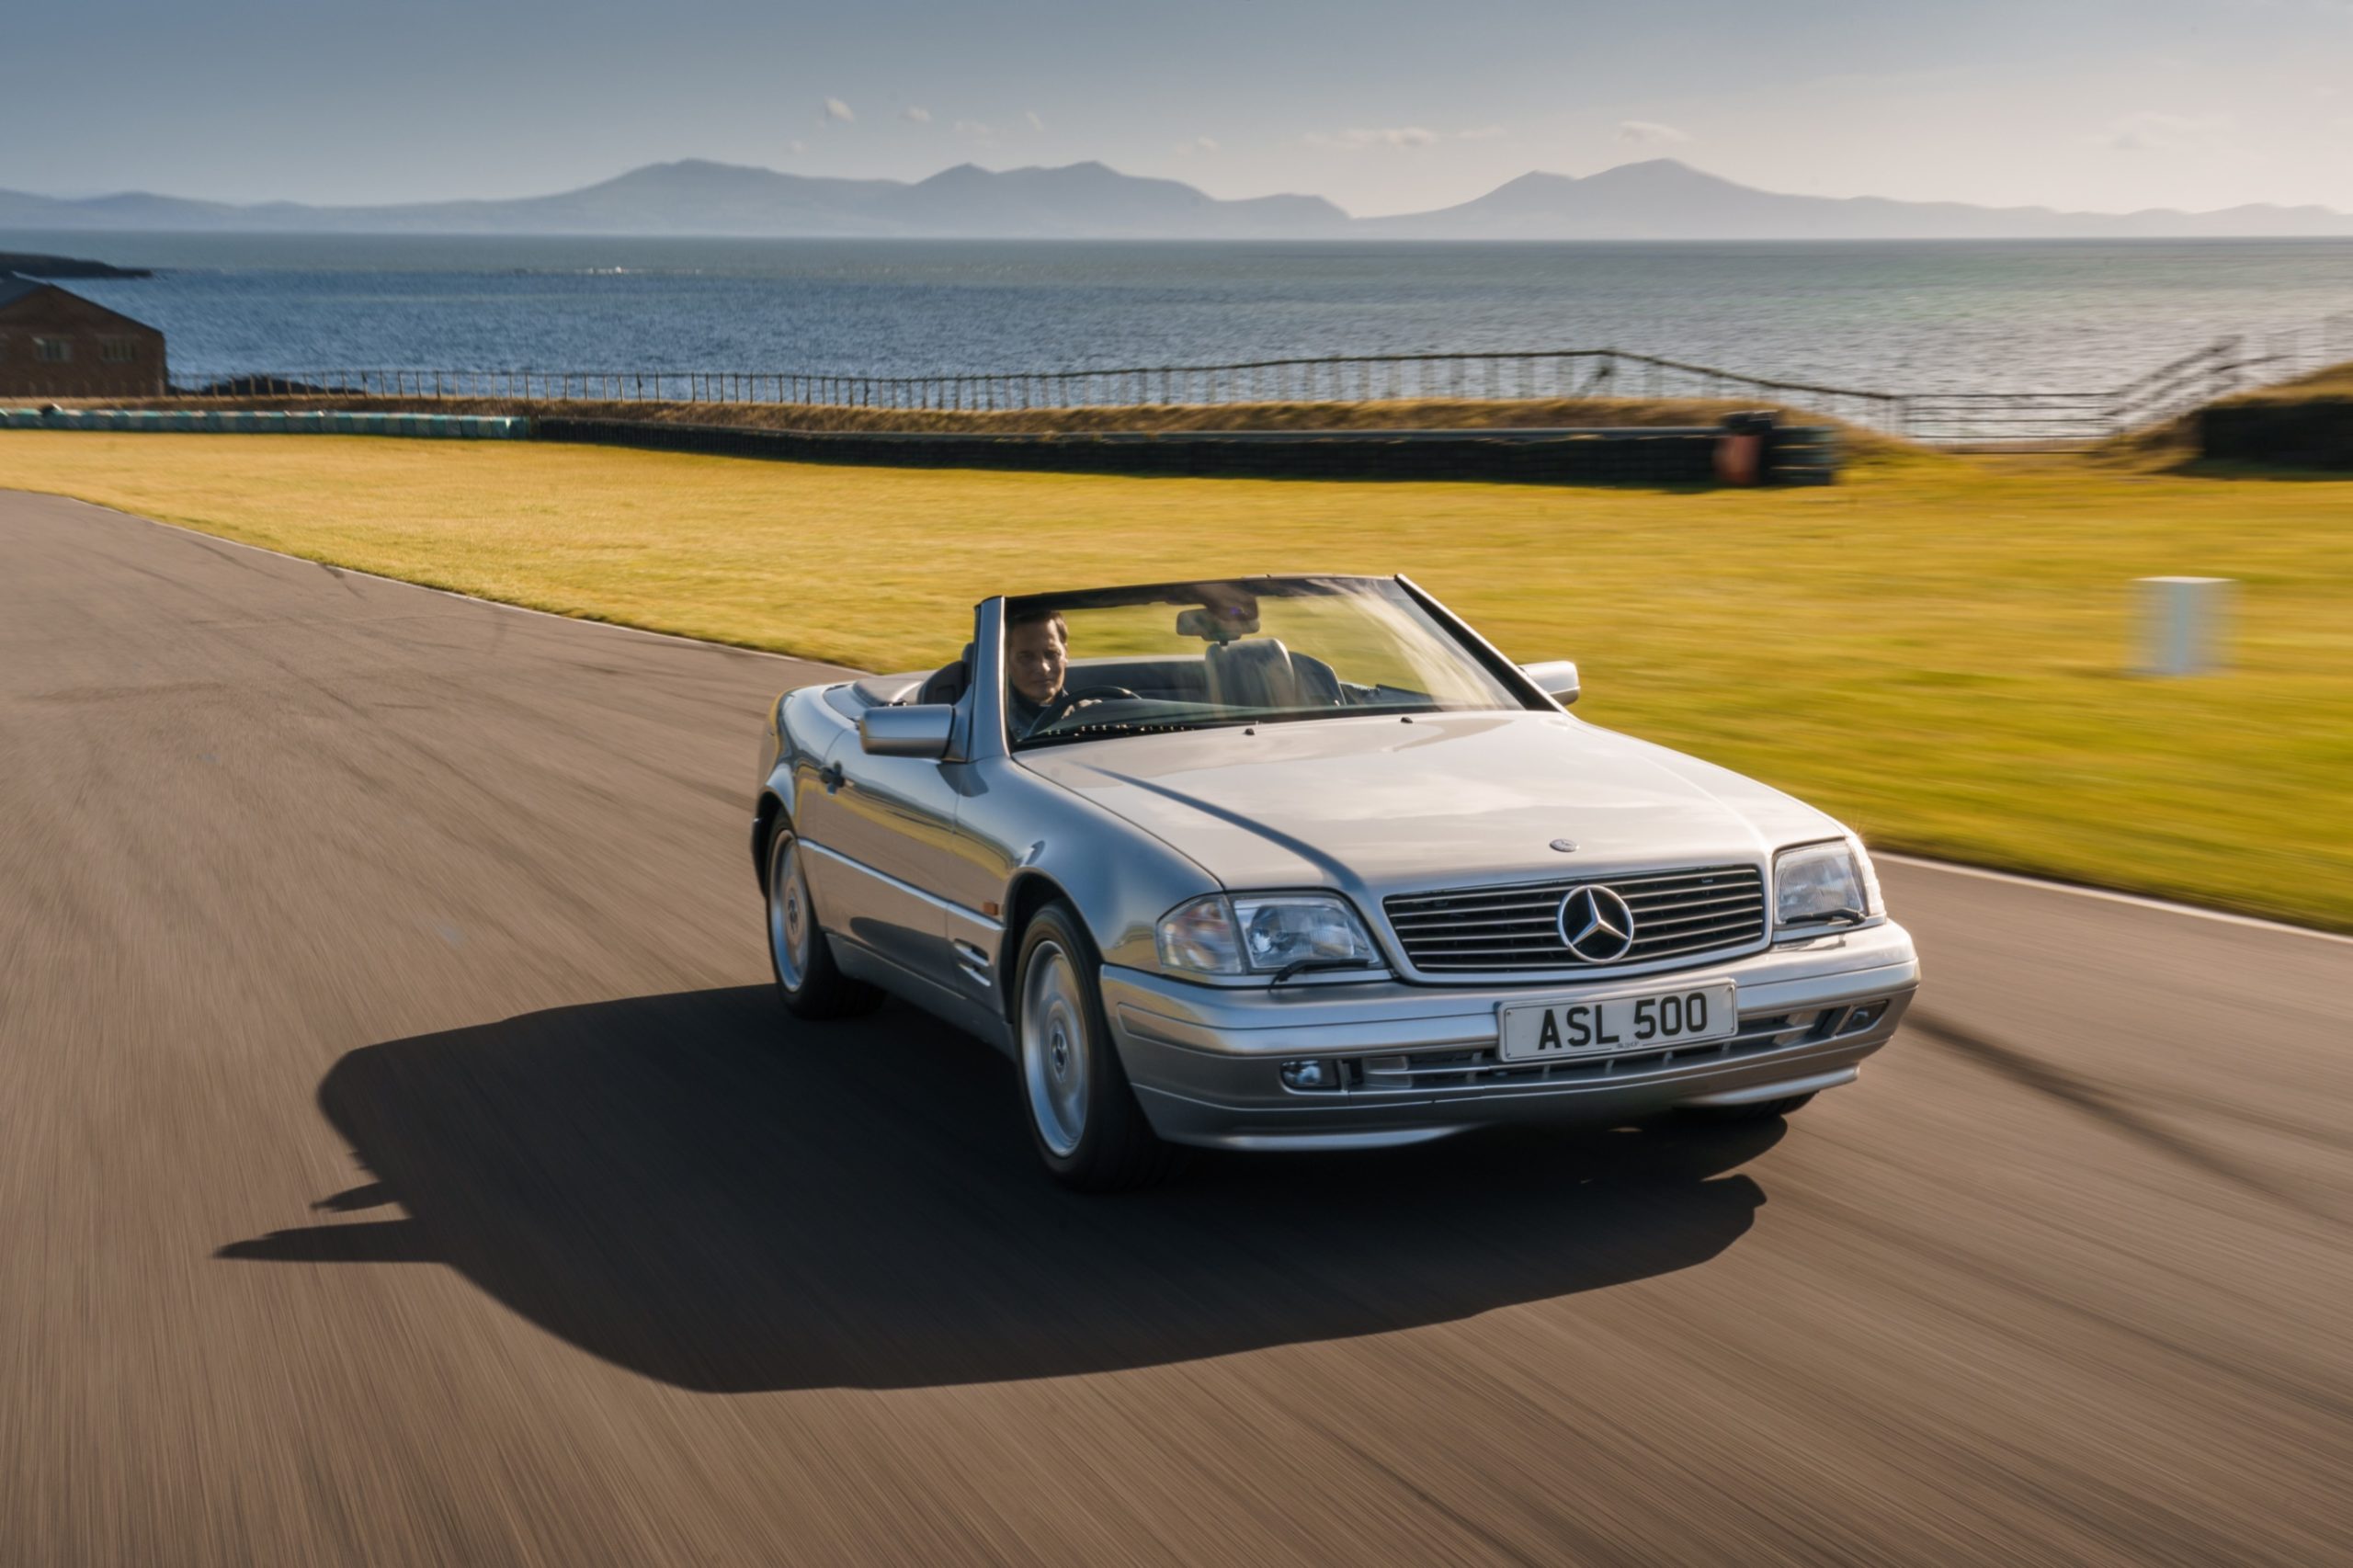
1937,650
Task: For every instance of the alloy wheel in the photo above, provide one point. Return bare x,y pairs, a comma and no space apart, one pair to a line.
1054,1064
789,924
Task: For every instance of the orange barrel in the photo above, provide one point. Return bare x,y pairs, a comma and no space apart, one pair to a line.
1741,449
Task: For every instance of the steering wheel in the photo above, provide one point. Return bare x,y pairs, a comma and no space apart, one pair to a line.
1053,711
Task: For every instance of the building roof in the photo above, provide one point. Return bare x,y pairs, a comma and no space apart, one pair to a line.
14,289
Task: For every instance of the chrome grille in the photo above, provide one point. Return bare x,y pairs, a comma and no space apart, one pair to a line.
1494,929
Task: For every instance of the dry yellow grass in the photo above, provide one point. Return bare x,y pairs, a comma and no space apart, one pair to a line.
2331,381
1937,650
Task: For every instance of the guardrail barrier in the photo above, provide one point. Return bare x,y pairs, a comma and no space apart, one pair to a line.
1958,418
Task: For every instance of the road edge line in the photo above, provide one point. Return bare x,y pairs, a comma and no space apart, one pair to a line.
2110,896
843,670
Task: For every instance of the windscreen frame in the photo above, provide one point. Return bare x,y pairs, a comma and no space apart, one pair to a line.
1186,593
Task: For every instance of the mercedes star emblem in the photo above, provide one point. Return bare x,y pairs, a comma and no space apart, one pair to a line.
1565,845
1597,924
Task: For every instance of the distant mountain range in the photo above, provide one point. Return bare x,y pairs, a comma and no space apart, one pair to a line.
1657,199
1664,200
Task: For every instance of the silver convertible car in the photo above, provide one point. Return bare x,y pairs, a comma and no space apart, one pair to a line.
1305,863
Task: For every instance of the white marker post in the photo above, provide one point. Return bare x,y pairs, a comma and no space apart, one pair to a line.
2181,624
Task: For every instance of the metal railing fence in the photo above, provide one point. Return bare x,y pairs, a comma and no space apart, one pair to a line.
2223,366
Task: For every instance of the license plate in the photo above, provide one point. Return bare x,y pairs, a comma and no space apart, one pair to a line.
1649,1020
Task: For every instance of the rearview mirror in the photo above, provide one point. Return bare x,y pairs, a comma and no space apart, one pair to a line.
922,730
1556,677
1218,623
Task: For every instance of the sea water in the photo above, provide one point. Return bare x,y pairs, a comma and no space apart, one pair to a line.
1910,317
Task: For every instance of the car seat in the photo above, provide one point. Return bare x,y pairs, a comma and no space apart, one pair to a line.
1253,672
947,682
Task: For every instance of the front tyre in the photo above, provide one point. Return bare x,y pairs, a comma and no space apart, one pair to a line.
798,951
1083,1117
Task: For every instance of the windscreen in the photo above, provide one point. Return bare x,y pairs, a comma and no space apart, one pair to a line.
1192,656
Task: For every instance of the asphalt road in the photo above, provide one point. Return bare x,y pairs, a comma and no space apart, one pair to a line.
401,1159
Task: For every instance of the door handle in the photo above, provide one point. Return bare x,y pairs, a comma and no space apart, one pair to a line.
830,776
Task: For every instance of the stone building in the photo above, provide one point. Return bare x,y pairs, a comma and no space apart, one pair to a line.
56,343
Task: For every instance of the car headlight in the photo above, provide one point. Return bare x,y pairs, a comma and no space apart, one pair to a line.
1873,905
1820,883
1263,932
1199,935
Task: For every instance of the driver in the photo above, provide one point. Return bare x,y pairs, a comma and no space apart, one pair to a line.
1037,653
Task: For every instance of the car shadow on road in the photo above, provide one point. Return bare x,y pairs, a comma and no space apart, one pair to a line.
703,1190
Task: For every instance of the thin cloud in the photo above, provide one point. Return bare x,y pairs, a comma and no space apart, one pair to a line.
1360,138
1197,144
974,129
835,109
914,116
796,146
1035,123
2155,131
1650,133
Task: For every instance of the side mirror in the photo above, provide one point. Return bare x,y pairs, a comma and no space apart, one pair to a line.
922,730
1556,677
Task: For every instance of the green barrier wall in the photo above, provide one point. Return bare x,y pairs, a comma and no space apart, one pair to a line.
239,422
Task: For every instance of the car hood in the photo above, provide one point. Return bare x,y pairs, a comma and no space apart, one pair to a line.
1378,806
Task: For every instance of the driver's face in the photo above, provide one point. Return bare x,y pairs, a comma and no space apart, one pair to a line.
1034,657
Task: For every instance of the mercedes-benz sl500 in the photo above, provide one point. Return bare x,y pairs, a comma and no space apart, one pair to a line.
1303,862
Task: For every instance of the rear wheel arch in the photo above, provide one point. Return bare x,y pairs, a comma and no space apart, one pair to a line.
765,817
799,953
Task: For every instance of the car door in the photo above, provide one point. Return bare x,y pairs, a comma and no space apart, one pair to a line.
883,831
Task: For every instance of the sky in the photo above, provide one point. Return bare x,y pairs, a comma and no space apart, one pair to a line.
1384,106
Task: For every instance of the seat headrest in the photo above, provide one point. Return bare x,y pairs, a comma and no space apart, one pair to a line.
947,682
1254,673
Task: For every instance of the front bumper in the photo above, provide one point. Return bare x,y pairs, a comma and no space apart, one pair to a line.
1419,1062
